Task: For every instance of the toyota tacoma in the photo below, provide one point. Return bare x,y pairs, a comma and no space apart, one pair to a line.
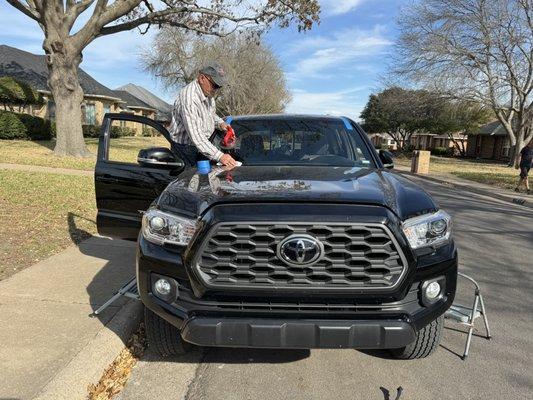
312,243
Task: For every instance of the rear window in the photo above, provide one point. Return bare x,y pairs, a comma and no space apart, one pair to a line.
319,142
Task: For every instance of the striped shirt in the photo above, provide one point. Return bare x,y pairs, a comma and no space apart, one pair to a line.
194,119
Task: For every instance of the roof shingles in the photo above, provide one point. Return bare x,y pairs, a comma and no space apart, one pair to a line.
32,69
131,100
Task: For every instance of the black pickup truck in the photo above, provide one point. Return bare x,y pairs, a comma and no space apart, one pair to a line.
312,243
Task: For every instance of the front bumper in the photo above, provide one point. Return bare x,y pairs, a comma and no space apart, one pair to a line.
371,322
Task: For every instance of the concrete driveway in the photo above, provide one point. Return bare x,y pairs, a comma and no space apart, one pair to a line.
496,248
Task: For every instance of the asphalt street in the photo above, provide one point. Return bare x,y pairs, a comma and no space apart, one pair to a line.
495,241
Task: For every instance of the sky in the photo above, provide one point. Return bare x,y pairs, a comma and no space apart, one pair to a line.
331,69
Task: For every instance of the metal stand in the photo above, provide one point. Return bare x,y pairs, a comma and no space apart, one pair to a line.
467,316
129,290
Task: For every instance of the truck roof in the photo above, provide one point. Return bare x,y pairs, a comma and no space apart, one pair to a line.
285,116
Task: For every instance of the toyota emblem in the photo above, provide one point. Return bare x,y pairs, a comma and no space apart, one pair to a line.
300,250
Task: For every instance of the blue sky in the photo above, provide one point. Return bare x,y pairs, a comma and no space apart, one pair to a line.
331,69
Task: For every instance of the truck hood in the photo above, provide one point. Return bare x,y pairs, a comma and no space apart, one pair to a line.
192,193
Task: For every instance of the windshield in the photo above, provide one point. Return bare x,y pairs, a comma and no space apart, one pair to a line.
299,141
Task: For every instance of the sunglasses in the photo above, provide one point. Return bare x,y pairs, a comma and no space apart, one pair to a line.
212,82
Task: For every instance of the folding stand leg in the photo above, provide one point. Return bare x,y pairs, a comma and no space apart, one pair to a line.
471,325
107,303
484,316
121,292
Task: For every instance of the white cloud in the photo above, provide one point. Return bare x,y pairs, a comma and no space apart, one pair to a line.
343,49
119,51
348,102
337,7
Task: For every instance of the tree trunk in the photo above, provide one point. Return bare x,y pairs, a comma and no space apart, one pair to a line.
68,95
514,152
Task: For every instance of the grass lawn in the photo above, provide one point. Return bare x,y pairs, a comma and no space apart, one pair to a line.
41,152
40,215
483,171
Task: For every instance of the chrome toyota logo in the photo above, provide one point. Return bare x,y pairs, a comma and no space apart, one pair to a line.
300,250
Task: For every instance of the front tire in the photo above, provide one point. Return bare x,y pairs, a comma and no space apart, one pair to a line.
426,342
162,336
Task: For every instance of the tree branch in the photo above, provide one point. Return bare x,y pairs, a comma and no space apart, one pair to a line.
26,10
75,10
165,16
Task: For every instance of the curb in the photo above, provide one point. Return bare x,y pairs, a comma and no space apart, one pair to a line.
455,185
88,365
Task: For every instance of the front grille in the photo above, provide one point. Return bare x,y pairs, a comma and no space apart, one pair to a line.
245,256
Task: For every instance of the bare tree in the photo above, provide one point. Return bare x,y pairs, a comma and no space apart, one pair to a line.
63,48
256,83
475,50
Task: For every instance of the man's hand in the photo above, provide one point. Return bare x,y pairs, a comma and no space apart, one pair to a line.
228,160
223,126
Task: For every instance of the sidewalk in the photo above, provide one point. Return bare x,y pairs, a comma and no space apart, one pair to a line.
37,168
471,186
50,347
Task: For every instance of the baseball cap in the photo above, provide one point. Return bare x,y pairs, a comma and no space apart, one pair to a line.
216,72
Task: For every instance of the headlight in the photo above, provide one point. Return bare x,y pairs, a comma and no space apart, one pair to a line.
428,229
159,227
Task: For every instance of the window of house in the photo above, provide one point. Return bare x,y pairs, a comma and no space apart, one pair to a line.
506,148
90,114
51,110
107,108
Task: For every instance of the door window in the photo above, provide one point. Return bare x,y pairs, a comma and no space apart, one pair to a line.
128,138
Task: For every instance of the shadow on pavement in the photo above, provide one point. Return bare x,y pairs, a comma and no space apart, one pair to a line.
119,267
248,356
220,355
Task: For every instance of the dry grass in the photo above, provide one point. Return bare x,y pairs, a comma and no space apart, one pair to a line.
42,214
41,152
504,181
483,171
116,375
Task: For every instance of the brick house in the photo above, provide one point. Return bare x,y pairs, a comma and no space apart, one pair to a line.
164,110
98,99
420,141
427,141
380,140
491,142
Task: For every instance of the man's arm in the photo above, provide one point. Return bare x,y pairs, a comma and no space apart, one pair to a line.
191,123
219,122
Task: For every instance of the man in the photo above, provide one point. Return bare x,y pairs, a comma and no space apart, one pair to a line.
526,160
194,117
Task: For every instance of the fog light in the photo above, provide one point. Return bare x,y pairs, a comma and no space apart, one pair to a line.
163,287
432,290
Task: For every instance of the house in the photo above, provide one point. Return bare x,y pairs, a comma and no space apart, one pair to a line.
164,110
31,68
428,141
132,105
382,140
97,100
491,142
420,141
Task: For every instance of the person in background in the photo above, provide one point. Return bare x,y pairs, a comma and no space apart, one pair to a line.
194,117
526,160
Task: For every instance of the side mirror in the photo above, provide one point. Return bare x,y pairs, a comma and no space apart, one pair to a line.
386,158
158,157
